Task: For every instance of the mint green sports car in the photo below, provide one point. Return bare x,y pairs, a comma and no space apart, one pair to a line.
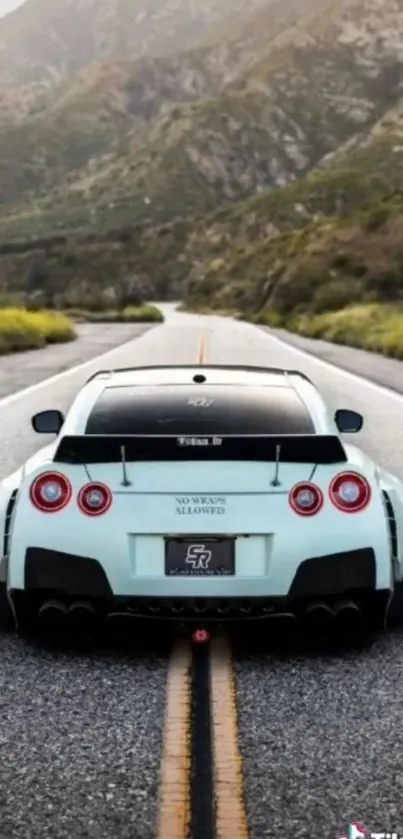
200,494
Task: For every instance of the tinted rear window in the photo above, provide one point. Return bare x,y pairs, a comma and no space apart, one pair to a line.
199,410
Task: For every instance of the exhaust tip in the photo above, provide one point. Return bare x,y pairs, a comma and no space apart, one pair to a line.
318,614
82,612
282,622
53,612
348,615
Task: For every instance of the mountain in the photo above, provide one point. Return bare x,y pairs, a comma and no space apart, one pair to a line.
47,133
46,44
320,244
162,138
258,171
51,40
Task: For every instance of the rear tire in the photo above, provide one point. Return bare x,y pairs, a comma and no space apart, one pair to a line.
395,612
6,613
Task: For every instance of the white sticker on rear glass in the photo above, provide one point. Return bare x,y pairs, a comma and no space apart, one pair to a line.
199,441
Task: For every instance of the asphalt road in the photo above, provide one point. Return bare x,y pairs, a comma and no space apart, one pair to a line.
25,369
321,735
377,368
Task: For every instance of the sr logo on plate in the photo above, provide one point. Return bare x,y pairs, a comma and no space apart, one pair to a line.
199,557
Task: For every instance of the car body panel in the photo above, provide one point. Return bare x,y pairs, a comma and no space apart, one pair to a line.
230,497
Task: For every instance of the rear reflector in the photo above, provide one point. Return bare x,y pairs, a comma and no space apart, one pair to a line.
201,636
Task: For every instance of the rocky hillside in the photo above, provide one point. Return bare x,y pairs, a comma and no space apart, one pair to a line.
44,45
261,174
48,41
47,134
324,242
180,135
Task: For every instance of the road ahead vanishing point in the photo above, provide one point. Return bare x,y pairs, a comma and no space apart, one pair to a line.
97,743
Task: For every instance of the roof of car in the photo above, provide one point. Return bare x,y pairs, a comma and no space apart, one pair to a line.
213,374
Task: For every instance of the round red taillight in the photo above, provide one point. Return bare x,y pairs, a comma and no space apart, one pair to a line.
306,498
350,492
94,499
50,492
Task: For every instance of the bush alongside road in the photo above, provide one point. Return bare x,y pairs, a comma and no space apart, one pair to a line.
22,330
130,314
374,327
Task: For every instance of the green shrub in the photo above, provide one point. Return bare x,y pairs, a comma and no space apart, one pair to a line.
374,327
23,330
142,314
376,218
267,317
130,314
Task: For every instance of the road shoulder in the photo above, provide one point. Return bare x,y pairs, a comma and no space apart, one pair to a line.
21,370
377,368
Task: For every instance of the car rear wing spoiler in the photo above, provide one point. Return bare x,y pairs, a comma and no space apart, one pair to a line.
291,448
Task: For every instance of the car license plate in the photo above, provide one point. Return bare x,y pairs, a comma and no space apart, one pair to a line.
200,557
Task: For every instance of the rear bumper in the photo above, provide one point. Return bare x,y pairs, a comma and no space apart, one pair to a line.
325,582
55,573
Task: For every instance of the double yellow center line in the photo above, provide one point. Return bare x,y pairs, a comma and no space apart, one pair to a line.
175,786
202,353
174,805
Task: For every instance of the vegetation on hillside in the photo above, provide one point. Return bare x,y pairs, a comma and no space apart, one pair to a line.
375,327
332,223
335,240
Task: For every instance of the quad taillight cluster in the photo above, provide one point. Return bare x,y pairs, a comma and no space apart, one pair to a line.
52,491
348,492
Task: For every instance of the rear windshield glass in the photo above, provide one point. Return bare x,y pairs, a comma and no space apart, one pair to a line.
199,410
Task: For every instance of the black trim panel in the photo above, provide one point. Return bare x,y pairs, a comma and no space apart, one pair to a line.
65,573
290,448
8,519
322,576
335,573
392,526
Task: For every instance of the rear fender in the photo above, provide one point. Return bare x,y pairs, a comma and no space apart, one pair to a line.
391,485
7,488
359,461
